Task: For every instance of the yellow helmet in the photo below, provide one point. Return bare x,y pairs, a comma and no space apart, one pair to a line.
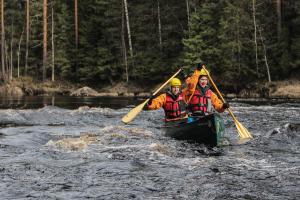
203,72
175,82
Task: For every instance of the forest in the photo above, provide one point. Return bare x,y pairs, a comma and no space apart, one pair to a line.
96,42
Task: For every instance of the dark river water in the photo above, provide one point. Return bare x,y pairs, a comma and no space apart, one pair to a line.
53,149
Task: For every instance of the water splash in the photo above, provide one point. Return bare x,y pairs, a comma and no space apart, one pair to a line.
53,153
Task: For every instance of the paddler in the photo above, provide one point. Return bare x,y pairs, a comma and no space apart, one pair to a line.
173,102
202,100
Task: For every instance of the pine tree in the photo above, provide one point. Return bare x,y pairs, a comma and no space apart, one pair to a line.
295,40
202,44
237,42
62,40
99,53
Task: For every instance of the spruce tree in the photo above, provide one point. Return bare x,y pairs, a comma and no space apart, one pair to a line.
202,44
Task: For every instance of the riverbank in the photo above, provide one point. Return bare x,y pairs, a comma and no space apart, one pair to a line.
28,87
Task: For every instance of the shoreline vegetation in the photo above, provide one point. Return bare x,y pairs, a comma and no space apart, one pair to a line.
289,89
89,43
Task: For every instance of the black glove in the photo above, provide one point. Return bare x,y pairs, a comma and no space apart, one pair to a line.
199,66
151,97
182,74
225,105
145,107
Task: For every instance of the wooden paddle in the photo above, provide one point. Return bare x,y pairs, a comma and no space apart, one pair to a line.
135,111
242,131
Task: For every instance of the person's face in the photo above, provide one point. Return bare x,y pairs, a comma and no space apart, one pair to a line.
175,90
203,81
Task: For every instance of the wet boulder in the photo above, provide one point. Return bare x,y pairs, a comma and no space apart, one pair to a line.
10,90
85,91
143,94
290,129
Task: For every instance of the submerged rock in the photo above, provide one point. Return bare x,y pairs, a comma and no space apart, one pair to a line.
74,144
161,148
290,129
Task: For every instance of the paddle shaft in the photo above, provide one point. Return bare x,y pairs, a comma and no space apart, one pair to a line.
243,132
135,111
163,85
219,93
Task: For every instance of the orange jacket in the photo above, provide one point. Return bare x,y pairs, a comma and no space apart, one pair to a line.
192,84
160,101
187,92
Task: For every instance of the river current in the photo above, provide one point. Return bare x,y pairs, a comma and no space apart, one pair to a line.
88,153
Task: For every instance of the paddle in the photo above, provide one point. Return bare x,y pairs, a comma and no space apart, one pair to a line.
242,131
135,111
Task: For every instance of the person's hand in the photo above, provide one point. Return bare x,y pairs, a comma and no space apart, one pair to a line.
151,97
182,74
225,105
199,66
146,107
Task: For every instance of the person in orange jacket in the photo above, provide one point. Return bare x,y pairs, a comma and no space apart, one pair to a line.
173,102
202,99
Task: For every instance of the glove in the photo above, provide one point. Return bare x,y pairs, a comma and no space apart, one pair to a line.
151,97
225,105
146,107
199,66
182,74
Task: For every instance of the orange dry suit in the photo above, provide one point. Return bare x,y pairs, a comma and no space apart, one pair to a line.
173,105
202,99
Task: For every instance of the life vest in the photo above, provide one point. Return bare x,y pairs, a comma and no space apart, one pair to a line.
200,101
175,106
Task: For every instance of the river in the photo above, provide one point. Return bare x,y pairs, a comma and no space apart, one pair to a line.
55,151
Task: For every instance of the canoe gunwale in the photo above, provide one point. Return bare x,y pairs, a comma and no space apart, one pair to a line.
204,129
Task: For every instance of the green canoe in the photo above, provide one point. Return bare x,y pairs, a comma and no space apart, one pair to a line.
207,129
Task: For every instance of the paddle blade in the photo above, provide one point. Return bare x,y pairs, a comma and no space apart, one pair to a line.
242,141
242,131
134,112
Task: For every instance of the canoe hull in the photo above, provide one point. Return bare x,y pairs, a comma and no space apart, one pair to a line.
208,130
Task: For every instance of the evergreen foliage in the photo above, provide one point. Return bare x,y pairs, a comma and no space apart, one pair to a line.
220,33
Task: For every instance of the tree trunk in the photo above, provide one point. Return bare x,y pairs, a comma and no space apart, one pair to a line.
239,48
3,42
76,32
44,39
265,56
188,14
159,25
11,51
18,53
27,36
123,42
128,29
76,22
52,40
255,34
278,6
7,61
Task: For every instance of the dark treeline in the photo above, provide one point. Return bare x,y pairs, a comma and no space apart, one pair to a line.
101,41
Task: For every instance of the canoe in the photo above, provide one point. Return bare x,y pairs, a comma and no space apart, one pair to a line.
207,129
